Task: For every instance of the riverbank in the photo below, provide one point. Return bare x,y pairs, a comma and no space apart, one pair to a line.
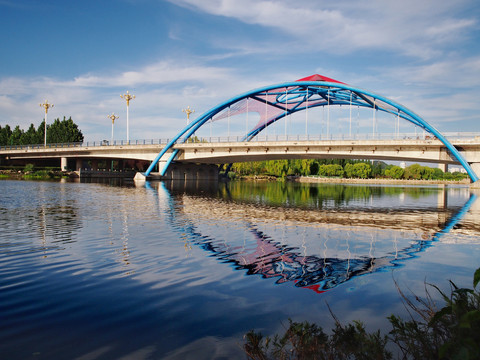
37,175
317,179
312,179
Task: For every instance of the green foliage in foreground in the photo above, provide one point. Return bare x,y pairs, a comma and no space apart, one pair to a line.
453,332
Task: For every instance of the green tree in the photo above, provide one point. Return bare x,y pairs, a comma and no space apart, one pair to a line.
349,170
438,174
314,167
64,131
306,166
30,136
413,172
331,170
358,170
5,134
16,136
428,173
394,172
276,167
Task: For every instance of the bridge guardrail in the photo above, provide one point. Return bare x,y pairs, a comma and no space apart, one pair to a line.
458,136
452,136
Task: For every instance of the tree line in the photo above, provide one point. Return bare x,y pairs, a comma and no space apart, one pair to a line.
64,131
355,169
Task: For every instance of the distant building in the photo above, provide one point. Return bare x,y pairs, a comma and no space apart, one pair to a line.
453,169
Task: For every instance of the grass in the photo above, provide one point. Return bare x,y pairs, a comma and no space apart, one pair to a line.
451,332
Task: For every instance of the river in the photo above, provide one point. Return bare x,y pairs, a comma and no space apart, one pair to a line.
174,270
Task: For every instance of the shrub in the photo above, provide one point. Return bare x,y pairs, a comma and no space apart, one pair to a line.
29,168
453,332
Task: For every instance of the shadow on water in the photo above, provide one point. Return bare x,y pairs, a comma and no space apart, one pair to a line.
370,229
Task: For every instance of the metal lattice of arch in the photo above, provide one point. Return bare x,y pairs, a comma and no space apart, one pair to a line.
274,102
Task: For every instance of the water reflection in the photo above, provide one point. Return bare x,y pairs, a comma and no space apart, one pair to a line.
48,212
315,237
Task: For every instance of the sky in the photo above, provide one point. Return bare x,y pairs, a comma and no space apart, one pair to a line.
82,55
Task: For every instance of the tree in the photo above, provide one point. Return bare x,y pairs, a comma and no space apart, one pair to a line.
64,131
16,136
331,170
362,170
413,172
277,167
438,174
5,134
427,173
58,132
348,170
30,136
394,172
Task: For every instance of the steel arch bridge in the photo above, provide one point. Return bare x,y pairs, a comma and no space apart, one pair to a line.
275,102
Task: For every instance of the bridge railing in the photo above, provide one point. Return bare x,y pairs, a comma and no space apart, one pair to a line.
458,136
41,146
86,144
452,136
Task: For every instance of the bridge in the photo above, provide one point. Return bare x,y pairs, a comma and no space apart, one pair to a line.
266,107
224,150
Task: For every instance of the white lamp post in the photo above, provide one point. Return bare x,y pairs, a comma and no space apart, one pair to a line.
46,106
188,111
127,98
113,117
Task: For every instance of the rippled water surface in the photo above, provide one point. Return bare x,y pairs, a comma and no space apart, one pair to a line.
182,271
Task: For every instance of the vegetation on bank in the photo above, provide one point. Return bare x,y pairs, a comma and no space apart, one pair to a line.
453,332
64,131
29,172
337,168
278,193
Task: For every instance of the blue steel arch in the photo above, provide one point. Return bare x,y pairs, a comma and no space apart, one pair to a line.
290,97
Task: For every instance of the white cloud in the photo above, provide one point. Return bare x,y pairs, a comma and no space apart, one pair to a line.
159,73
418,29
162,89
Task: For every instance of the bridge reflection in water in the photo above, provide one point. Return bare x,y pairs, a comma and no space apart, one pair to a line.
321,241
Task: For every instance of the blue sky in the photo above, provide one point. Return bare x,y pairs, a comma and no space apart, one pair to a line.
81,55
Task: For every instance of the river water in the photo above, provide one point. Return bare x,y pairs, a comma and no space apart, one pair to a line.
184,270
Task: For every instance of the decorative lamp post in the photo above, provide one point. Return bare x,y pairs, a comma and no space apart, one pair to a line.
127,98
188,111
46,106
113,117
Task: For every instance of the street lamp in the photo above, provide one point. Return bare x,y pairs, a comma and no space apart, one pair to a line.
46,106
127,98
188,111
113,117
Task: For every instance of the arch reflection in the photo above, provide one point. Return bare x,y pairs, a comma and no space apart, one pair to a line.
315,247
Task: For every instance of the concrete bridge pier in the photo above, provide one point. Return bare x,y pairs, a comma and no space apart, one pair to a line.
187,172
78,164
476,167
63,164
191,172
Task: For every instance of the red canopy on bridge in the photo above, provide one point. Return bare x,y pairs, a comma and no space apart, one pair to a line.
317,77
